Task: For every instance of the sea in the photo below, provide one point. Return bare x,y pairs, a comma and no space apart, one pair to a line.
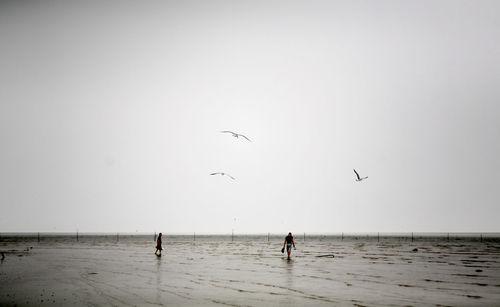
342,269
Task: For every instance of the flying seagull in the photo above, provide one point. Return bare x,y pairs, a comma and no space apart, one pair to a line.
220,173
357,175
236,135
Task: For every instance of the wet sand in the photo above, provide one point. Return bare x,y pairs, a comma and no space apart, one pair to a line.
250,273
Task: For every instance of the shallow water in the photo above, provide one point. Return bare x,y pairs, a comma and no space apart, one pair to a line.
249,272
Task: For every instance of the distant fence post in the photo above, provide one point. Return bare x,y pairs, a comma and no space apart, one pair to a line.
378,236
304,237
117,237
232,235
412,236
38,237
481,237
342,236
154,237
448,237
77,236
268,237
194,236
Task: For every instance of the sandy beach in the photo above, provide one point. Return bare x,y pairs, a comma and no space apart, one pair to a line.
249,272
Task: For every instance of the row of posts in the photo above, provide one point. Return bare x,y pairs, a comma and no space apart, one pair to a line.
342,236
268,236
78,236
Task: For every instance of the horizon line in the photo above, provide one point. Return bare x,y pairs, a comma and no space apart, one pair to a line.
345,233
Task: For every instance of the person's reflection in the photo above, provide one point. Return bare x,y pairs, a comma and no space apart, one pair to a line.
289,279
158,281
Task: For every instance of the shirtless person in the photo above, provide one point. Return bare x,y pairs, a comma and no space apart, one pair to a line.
289,242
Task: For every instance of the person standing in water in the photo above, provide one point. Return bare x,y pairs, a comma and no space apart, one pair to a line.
289,242
158,246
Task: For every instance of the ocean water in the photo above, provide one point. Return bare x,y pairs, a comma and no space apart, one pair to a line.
121,270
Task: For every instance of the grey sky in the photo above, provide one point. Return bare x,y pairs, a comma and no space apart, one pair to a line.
110,113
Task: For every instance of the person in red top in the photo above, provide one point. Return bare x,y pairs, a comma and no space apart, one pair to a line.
158,246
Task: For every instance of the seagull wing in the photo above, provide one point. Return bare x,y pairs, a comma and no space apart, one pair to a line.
245,137
228,132
231,177
214,173
357,175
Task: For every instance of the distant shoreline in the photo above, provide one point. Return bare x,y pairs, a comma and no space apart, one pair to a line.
299,237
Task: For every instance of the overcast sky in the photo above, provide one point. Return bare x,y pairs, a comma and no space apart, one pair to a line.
110,113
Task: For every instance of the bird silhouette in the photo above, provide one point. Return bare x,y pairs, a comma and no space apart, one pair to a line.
357,175
223,174
236,135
